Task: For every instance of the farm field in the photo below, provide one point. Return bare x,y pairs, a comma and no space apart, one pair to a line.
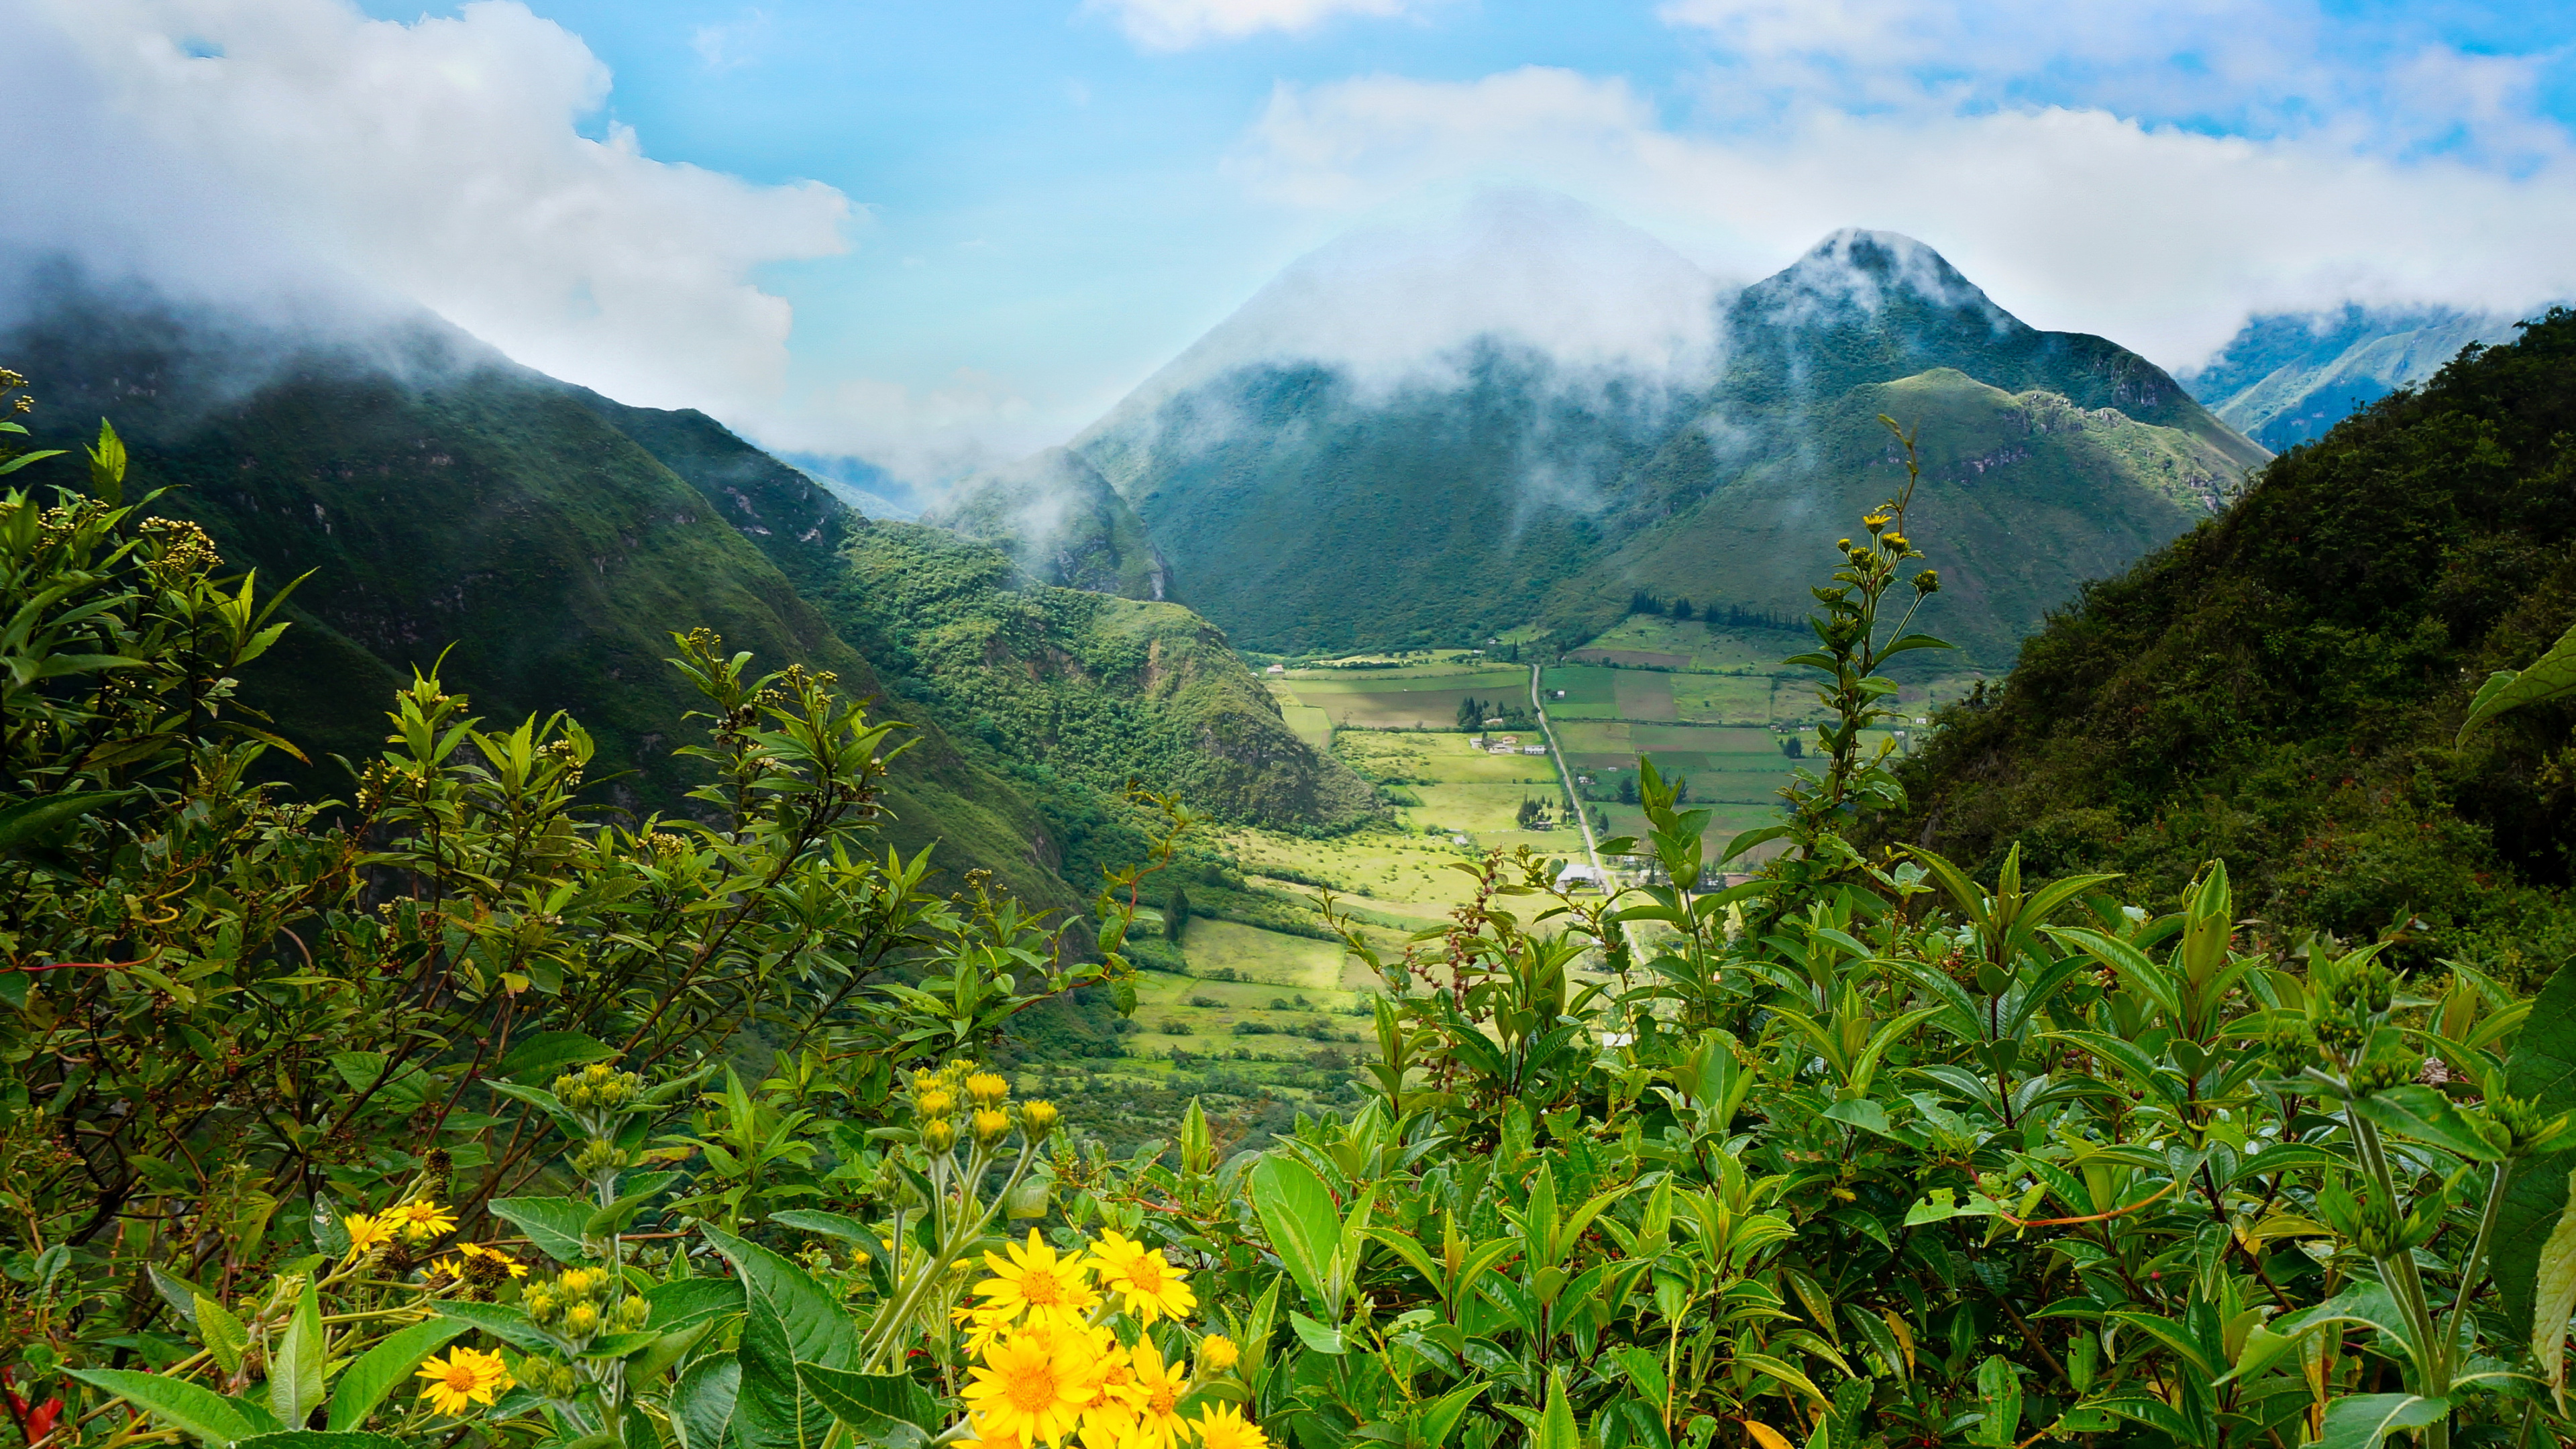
1414,696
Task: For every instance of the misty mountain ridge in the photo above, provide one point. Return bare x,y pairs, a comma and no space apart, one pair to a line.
2286,378
1318,497
541,541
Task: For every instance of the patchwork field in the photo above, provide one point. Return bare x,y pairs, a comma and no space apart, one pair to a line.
1411,698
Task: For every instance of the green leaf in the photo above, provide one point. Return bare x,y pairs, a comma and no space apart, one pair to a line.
318,1439
503,1322
2541,1070
295,1368
703,1403
691,1300
2424,1114
614,1217
2554,1298
2551,676
554,1224
818,1328
886,1409
550,1053
221,1333
378,1371
2175,1339
31,821
1556,1427
2153,1412
773,1409
194,1408
2000,1389
1315,1335
2360,1421
1304,1228
1442,1414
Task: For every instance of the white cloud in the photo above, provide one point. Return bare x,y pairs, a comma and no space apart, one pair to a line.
2161,238
1181,24
437,159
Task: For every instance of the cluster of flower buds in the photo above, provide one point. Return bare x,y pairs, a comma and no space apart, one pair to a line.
958,1100
574,1304
598,1088
550,1380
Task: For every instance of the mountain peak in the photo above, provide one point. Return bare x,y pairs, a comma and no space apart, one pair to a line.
1860,270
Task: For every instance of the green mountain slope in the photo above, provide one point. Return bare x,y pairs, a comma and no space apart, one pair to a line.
447,502
1062,524
2281,685
2286,378
1073,686
2023,498
1309,508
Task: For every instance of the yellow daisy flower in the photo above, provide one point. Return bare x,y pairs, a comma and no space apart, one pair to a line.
1159,1388
1034,1283
366,1234
467,1378
421,1221
983,1327
1145,1285
1217,1353
1029,1390
1222,1426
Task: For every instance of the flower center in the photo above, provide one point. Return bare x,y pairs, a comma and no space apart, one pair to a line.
1033,1391
1160,1402
1041,1290
1147,1274
461,1377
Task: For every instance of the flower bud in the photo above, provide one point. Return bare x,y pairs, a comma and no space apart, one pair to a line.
581,1320
935,1104
1038,1119
939,1134
1217,1353
990,1124
987,1089
633,1312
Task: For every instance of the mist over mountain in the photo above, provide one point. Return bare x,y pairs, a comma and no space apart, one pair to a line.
1322,480
2289,377
537,543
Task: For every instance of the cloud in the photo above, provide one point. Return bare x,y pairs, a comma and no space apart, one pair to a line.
439,160
1182,24
1396,302
2160,237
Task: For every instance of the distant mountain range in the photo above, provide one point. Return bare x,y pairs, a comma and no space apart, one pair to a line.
2288,377
539,543
1319,477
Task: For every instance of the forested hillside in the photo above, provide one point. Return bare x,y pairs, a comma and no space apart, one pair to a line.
2280,687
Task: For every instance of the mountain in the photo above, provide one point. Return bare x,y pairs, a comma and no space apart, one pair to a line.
1062,523
2280,687
454,509
1075,687
1427,483
2288,377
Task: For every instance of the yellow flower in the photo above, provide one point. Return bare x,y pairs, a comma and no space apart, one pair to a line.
1222,1426
987,1089
991,1123
1030,1389
1158,1420
990,1438
935,1104
581,1319
421,1221
1217,1353
1149,1287
1110,1398
466,1379
983,1326
366,1234
1037,1285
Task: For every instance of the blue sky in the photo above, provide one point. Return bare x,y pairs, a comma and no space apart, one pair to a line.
938,233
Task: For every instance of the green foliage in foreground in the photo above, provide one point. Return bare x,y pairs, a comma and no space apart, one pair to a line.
1860,1154
2283,687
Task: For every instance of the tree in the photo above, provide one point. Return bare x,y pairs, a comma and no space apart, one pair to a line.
1176,914
1471,713
1627,789
1681,608
1642,602
1793,747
